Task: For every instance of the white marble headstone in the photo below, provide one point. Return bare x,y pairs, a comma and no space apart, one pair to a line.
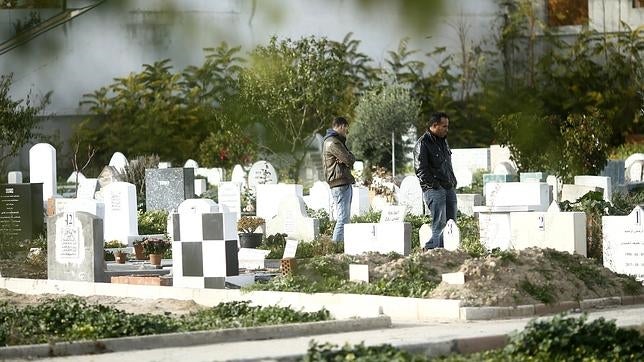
424,234
121,219
634,171
411,195
42,168
229,195
238,175
72,177
292,220
623,243
87,188
261,172
393,213
191,164
451,236
119,161
320,196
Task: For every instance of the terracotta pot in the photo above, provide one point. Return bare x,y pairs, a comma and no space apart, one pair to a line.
250,240
155,259
121,258
139,253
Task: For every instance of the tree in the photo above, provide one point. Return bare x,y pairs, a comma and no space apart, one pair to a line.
158,111
292,89
379,113
18,120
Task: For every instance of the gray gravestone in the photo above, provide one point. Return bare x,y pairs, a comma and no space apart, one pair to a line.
75,247
21,211
166,188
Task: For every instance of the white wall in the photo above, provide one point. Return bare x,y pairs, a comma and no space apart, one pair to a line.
113,40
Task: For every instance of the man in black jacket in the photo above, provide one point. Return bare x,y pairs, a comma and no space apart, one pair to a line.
433,165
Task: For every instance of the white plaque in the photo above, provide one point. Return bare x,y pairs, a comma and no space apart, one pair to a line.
290,249
393,214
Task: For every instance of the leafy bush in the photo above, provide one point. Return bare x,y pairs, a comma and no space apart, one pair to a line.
382,353
324,219
622,151
71,318
416,222
575,339
152,222
470,235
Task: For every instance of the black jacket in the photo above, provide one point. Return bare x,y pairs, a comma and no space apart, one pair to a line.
433,162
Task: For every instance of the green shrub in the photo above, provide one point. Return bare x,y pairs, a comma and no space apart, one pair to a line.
565,339
470,236
71,318
622,151
276,244
152,222
325,222
416,222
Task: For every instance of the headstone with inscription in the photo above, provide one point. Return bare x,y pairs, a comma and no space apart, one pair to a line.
393,213
382,238
229,196
623,243
563,231
121,220
75,247
166,188
42,168
261,173
292,220
451,236
21,211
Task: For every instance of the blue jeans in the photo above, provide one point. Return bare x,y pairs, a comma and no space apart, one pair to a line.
342,196
442,205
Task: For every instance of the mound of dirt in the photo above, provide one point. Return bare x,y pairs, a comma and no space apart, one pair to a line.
519,277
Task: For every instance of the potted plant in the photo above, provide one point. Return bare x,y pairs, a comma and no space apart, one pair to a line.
155,248
139,252
120,256
246,226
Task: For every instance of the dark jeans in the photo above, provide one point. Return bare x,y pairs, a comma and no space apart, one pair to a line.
442,205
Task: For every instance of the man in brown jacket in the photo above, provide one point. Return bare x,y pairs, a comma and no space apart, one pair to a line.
338,161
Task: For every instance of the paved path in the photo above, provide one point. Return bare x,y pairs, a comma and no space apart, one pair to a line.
430,336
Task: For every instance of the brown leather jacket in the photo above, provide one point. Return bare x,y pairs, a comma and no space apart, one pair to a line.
338,160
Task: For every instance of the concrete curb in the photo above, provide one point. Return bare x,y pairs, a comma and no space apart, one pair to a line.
486,313
193,338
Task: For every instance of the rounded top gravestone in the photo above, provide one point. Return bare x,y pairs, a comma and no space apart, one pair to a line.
119,161
42,168
261,172
411,195
632,158
238,175
191,164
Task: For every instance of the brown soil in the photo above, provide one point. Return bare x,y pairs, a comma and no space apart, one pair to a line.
524,277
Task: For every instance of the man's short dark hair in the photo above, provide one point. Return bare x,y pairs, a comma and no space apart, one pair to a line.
339,121
436,117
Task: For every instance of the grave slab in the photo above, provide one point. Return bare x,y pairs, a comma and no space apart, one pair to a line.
21,211
623,243
75,247
563,231
292,220
383,238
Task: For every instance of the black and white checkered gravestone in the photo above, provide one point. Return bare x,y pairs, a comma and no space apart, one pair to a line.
204,247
